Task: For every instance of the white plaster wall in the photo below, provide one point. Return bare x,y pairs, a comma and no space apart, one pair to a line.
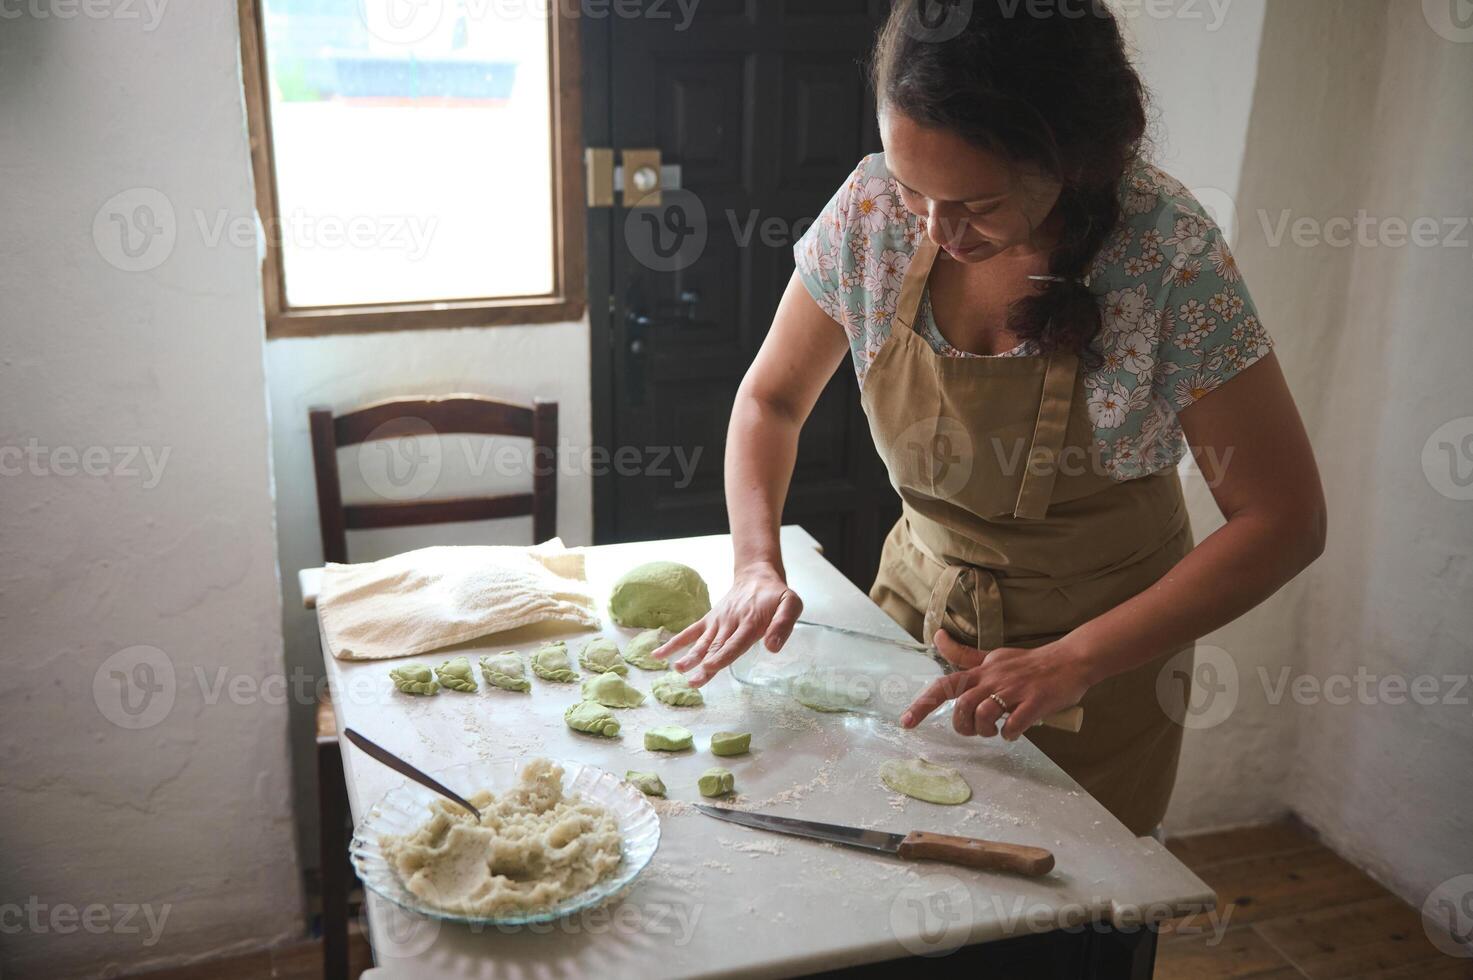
1359,105
190,817
517,363
1200,62
1389,782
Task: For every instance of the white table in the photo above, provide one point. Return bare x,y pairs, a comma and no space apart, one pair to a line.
720,900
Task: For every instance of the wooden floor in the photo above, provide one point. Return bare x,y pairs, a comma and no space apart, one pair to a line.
1295,909
1290,906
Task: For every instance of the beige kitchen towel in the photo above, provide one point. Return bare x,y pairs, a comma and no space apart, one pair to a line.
426,599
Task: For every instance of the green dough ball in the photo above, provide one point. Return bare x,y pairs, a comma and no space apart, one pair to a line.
668,738
457,676
591,717
716,782
612,691
648,783
925,781
601,655
660,593
814,692
414,679
673,688
551,663
639,649
731,743
505,671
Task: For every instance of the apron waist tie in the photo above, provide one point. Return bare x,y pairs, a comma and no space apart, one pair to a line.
986,596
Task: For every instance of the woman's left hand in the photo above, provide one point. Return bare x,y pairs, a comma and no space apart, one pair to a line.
1032,683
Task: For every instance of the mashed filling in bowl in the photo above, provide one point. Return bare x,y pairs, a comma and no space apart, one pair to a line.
532,848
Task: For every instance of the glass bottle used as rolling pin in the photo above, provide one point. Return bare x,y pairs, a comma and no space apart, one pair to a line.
832,668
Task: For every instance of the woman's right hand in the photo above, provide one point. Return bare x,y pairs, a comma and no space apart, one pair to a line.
759,606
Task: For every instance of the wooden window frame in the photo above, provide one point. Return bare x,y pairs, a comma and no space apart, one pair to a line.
568,298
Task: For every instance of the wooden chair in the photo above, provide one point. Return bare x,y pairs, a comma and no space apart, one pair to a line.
392,419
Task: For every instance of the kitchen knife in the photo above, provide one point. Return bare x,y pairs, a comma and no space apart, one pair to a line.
1068,720
918,845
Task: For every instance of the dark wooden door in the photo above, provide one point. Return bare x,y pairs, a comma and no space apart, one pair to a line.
764,106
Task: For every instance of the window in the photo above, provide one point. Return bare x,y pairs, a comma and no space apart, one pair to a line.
416,162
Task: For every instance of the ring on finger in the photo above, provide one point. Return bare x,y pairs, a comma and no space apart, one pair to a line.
994,696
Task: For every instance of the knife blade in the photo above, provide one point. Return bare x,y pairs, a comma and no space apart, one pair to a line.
1068,720
971,852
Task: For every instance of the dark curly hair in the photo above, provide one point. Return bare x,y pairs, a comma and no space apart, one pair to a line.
1049,87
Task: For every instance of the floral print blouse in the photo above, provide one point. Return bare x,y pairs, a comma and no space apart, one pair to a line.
1177,321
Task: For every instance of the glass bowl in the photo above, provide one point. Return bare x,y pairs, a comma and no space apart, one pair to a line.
405,808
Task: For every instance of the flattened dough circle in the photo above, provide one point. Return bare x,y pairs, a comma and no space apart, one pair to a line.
924,781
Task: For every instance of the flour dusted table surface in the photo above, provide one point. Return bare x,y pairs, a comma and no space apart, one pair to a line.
718,899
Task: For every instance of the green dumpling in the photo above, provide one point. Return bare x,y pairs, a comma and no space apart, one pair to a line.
716,781
551,663
457,676
668,738
731,743
601,655
612,691
639,649
673,688
414,679
505,671
591,717
660,593
648,783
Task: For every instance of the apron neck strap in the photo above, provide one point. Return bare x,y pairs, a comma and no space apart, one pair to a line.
1048,437
914,285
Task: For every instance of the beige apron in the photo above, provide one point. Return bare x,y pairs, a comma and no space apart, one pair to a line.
1013,535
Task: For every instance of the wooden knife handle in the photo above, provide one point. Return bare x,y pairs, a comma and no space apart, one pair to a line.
1068,720
986,855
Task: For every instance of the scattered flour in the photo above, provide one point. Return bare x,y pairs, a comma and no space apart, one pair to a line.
752,848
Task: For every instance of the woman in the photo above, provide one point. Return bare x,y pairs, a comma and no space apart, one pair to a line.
1037,317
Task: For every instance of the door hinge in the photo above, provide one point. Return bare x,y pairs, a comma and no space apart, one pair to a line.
640,177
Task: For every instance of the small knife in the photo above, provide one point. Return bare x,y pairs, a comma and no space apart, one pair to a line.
918,845
1068,720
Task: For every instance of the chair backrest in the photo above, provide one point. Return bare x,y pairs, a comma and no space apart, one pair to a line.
448,415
